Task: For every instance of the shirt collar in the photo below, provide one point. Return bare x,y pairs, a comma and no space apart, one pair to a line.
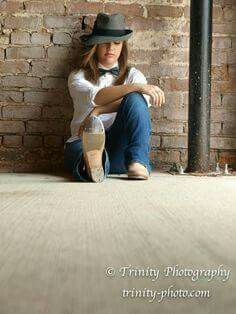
108,68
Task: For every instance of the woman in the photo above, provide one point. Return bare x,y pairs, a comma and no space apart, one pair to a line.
111,126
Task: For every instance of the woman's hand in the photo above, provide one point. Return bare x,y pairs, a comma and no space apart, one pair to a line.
94,112
157,95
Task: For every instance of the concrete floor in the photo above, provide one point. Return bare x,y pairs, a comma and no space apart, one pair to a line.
58,237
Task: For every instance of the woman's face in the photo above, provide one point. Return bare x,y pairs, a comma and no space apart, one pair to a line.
108,53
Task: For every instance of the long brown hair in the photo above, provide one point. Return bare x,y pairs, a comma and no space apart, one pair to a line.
89,63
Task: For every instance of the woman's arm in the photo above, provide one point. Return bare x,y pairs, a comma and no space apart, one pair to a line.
108,108
110,94
97,110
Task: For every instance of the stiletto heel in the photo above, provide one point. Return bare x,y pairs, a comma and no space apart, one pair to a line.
93,139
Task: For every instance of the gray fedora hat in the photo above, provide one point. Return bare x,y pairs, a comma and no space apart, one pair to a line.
107,28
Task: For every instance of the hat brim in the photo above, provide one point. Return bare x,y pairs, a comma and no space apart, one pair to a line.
96,39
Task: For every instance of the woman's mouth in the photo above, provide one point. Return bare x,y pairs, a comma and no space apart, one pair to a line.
109,54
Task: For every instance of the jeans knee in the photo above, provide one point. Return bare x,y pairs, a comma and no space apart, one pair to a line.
135,101
134,97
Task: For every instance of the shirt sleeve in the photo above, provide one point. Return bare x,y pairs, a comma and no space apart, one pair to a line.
82,93
138,77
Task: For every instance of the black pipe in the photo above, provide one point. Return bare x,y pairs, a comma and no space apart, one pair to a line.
199,86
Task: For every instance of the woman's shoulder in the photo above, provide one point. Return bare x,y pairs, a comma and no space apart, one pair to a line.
135,73
76,74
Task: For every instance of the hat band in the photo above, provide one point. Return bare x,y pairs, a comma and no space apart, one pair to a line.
109,32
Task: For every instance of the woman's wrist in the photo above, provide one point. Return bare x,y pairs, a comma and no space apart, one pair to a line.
139,87
95,111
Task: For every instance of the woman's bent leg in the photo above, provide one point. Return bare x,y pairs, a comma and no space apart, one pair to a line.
128,139
75,164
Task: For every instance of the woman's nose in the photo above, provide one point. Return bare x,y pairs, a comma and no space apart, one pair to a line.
109,44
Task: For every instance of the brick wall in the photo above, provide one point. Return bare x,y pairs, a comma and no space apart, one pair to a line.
38,48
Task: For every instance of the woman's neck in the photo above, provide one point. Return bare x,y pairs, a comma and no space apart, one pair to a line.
108,66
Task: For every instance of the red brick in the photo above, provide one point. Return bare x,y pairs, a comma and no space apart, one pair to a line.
53,141
56,52
223,2
171,84
232,71
215,99
176,55
229,99
224,86
223,142
215,128
62,22
6,166
179,141
12,140
227,157
34,167
181,41
219,57
25,52
165,126
153,40
57,112
62,38
142,23
54,82
164,11
4,40
231,56
221,42
223,114
21,81
150,56
220,72
49,67
84,7
21,112
26,22
44,97
33,141
129,10
9,154
11,126
217,14
229,127
174,108
168,156
21,38
155,140
170,70
11,6
40,38
46,127
229,12
15,96
44,7
14,67
224,28
1,54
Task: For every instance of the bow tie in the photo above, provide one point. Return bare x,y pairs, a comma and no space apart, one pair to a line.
114,71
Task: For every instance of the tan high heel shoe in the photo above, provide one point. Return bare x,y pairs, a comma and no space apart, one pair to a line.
93,142
137,171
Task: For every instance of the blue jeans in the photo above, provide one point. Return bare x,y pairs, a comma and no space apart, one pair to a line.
127,140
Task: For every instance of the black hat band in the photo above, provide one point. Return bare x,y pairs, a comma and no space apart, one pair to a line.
109,32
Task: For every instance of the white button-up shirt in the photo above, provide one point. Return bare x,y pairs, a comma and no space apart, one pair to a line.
83,93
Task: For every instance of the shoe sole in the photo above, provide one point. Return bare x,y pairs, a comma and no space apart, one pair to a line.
93,141
137,177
